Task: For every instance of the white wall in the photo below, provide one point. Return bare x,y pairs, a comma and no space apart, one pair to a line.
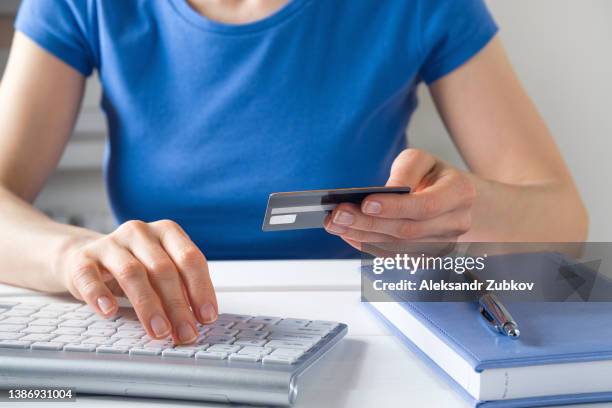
562,51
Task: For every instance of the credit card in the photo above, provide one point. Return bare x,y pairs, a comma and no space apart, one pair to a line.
308,209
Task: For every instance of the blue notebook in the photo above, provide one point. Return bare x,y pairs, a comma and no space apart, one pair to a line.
564,354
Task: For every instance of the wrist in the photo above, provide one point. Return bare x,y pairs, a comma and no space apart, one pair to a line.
67,243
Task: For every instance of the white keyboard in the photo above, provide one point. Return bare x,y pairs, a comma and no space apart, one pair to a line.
71,328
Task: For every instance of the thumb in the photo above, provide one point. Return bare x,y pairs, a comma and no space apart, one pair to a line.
409,168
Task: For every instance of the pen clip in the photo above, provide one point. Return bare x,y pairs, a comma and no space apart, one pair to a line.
489,319
497,317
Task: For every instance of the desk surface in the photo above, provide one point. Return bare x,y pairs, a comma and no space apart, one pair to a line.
369,368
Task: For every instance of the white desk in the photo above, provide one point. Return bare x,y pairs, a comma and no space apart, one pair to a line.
369,368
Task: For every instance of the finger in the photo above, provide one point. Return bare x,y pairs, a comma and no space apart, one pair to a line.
450,191
132,277
193,268
115,289
87,282
357,235
354,244
143,243
454,223
409,168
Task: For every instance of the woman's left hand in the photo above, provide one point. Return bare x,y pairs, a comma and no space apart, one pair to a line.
439,207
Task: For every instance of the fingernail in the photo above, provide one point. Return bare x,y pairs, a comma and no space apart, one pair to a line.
159,326
337,228
343,218
105,304
372,207
186,333
207,313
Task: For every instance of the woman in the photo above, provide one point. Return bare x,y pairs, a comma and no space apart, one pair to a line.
212,105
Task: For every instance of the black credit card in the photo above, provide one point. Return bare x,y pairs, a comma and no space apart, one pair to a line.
308,209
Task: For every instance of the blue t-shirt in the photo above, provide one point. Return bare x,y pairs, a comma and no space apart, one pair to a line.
206,119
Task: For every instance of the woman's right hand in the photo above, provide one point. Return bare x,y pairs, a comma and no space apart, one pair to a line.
158,268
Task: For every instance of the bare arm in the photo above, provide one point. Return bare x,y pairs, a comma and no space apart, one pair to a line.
524,191
39,101
519,188
156,265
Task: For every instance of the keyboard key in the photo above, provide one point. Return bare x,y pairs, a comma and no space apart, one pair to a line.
99,332
145,351
222,332
38,329
113,349
77,315
130,326
37,337
185,353
61,307
19,313
253,334
11,327
127,318
46,314
128,334
219,339
69,330
5,304
322,324
31,306
234,317
65,338
250,342
317,331
159,343
80,347
293,322
247,326
252,358
47,345
223,348
272,359
15,344
99,341
10,335
104,325
255,350
17,320
297,337
211,355
295,353
126,342
289,344
74,323
265,319
45,322
226,324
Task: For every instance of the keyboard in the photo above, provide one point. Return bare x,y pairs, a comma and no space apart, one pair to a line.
238,358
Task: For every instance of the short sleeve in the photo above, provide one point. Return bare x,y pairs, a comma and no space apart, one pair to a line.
452,31
62,27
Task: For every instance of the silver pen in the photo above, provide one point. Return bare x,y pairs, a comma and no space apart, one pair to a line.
495,314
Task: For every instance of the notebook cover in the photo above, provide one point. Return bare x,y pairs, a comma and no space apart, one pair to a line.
551,332
511,403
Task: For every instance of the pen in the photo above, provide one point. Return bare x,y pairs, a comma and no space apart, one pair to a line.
495,314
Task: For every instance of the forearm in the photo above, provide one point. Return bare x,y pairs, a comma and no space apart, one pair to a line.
548,211
30,244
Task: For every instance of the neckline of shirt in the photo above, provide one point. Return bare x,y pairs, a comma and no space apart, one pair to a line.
205,23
